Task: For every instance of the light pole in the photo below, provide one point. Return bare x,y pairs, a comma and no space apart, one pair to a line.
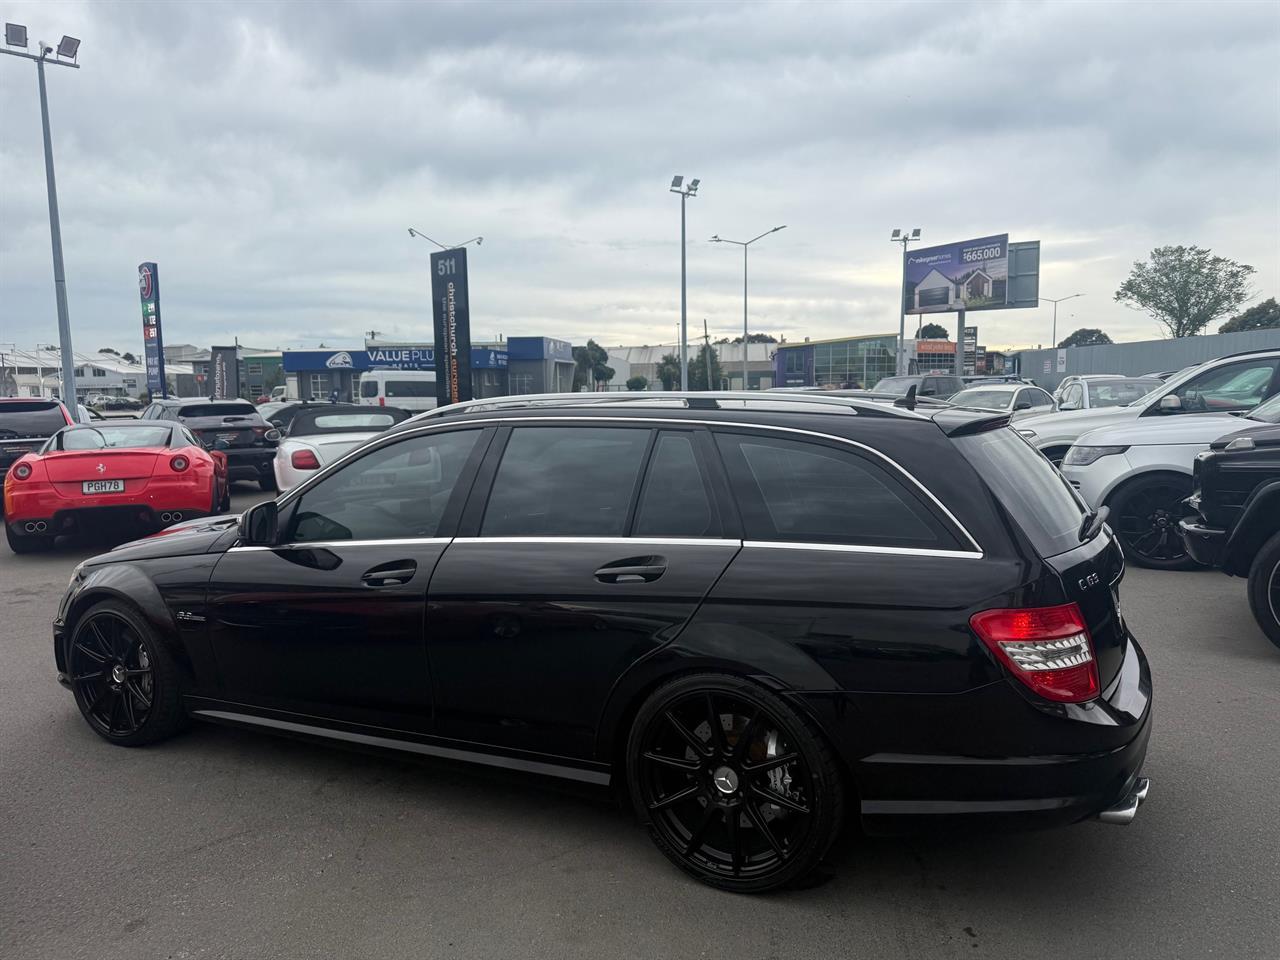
744,244
15,35
901,236
454,246
685,193
1055,312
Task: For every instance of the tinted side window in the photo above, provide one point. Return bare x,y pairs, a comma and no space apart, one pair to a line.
565,481
1236,386
799,491
674,501
394,493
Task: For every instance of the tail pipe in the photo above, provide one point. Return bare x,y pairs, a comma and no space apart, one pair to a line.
173,517
36,526
1122,813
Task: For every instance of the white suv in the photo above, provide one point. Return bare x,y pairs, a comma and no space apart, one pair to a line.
1231,384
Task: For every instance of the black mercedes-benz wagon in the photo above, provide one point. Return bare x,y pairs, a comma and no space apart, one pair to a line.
757,614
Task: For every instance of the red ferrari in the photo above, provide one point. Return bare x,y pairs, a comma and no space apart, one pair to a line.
91,477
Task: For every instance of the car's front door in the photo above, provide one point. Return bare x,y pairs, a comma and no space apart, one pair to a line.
594,545
329,622
1227,388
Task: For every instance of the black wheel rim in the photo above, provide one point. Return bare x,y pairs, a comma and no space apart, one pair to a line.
1273,594
726,785
1148,522
111,674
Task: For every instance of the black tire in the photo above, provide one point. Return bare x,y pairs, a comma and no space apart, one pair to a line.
267,483
27,544
722,801
1145,514
126,683
1264,589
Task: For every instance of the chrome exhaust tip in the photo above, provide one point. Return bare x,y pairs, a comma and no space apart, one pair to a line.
166,517
41,526
176,515
1122,813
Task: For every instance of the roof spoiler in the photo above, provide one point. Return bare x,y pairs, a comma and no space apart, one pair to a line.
956,422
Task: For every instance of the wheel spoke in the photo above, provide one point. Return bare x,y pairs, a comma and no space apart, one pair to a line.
91,654
128,711
115,711
98,698
700,831
758,821
717,728
138,673
678,762
138,694
125,646
673,798
87,676
771,763
735,839
768,796
748,734
103,644
699,746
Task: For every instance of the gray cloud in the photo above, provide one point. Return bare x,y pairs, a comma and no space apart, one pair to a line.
270,156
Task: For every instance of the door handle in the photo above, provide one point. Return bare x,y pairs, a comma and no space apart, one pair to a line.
397,571
633,570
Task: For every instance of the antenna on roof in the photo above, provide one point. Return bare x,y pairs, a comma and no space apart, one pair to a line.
909,401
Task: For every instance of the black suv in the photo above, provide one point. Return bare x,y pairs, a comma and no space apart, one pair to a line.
233,426
753,613
25,424
936,386
1236,499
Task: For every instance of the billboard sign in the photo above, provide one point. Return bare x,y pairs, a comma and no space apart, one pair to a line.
972,275
152,338
451,312
225,367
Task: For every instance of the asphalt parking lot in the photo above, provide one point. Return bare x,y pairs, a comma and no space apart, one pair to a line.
229,844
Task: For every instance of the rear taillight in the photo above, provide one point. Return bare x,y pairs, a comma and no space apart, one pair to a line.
1047,648
382,401
179,463
304,460
22,471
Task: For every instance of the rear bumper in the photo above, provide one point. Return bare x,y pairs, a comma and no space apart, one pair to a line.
87,519
1059,764
1205,544
249,464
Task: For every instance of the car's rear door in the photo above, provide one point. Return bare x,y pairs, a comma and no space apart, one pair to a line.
587,546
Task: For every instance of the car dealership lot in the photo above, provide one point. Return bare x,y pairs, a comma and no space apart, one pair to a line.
226,843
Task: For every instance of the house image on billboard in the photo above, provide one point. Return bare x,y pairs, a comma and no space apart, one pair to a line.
937,290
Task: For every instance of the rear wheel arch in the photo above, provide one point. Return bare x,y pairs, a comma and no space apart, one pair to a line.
1258,522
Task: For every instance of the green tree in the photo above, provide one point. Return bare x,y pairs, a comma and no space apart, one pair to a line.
1186,288
669,371
932,331
637,383
757,338
1262,316
590,365
128,357
1086,337
698,370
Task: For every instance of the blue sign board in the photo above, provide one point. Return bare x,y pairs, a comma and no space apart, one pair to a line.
152,338
383,358
540,348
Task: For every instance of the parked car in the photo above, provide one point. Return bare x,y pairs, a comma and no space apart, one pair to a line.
319,435
1015,399
1234,383
131,474
1235,501
1107,392
1142,471
280,414
25,424
1081,378
714,603
413,390
936,386
233,426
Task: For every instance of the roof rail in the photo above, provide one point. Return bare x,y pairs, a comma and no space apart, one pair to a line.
688,400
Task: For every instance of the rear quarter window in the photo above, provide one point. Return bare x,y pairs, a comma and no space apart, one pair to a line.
1028,487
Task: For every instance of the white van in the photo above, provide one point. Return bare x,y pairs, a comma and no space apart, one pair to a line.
407,389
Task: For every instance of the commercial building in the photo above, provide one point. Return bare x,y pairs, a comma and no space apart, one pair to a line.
38,373
537,365
319,373
1049,367
861,361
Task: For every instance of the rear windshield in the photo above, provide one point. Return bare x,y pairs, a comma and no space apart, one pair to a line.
34,418
373,421
218,410
103,437
1029,487
898,385
983,399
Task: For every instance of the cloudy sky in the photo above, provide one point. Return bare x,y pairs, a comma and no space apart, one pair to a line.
271,156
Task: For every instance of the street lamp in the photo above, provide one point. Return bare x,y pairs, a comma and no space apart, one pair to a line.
685,193
15,35
455,246
744,244
901,236
1055,312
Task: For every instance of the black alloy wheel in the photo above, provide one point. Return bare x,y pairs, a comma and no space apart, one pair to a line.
124,681
1145,516
1264,588
735,787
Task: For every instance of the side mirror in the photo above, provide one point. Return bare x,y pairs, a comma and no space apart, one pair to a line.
1022,405
1069,405
258,525
1171,403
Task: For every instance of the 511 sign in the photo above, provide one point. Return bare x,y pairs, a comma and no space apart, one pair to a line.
451,313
